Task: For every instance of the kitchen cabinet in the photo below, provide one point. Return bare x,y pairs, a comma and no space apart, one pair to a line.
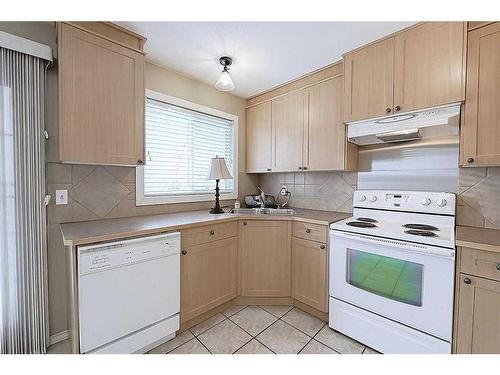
423,66
325,132
307,132
101,98
429,65
369,81
259,138
478,312
288,115
480,140
265,248
309,273
208,276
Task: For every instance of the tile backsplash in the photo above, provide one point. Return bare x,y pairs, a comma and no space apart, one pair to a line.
478,202
329,191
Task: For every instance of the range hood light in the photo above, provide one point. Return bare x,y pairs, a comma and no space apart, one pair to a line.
398,136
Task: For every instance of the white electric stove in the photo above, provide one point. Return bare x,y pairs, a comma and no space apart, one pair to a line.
392,270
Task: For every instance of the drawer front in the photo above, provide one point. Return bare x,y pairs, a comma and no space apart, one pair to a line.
480,263
207,233
309,231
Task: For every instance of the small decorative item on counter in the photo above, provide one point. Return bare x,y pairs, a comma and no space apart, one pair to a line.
237,204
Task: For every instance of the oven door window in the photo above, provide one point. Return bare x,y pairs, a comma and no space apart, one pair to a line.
392,278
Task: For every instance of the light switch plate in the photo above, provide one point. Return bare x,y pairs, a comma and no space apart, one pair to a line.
61,197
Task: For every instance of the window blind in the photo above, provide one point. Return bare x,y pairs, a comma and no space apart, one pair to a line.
179,146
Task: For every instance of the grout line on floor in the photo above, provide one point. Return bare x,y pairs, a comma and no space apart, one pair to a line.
203,344
314,338
256,339
216,324
251,338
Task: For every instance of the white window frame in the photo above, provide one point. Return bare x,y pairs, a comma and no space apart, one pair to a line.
142,200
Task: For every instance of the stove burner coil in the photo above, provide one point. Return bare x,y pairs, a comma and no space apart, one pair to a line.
423,233
360,224
420,226
367,220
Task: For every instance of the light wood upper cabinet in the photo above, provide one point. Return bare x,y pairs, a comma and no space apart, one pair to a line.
208,276
369,81
429,65
324,134
481,129
265,258
478,315
101,99
309,273
288,115
259,138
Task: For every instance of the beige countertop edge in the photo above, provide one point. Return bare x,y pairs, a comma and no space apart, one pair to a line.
302,215
479,246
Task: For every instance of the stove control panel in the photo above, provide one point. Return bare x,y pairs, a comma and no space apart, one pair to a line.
408,201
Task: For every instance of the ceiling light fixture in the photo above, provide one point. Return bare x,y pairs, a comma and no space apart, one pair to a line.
225,83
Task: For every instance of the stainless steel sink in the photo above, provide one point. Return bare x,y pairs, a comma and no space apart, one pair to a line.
263,211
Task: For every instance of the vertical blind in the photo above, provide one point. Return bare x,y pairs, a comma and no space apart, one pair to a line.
179,146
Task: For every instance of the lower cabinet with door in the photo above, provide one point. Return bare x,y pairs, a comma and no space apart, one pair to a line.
208,268
478,293
265,258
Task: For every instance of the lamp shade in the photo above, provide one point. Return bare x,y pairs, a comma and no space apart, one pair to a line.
218,170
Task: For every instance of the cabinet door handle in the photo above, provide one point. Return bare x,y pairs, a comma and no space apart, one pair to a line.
269,169
308,231
212,232
140,161
304,168
300,168
498,267
467,280
388,110
322,247
244,223
398,108
184,252
470,160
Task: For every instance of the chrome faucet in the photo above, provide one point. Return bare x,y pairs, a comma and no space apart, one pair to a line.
262,198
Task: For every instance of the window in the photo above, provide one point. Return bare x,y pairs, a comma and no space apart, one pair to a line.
181,138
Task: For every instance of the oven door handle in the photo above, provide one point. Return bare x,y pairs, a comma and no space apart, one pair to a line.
407,246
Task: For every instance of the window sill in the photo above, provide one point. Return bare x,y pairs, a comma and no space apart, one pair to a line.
149,201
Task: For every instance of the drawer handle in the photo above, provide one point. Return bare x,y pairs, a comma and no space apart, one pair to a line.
467,280
212,232
498,266
470,160
322,247
308,231
184,252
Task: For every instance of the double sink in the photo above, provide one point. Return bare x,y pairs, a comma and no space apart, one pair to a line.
263,211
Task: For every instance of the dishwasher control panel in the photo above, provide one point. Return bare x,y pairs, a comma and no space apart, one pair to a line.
110,255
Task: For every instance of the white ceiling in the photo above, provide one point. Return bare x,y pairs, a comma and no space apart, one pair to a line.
265,54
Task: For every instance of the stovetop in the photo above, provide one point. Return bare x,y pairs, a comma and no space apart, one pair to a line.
427,221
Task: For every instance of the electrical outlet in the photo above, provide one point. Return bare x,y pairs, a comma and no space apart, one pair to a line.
61,197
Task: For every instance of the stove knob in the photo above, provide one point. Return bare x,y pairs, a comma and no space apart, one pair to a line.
373,198
441,202
362,198
426,201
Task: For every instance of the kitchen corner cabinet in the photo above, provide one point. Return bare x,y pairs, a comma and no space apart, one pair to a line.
324,132
288,118
423,66
309,273
259,138
300,131
208,276
101,98
480,140
265,250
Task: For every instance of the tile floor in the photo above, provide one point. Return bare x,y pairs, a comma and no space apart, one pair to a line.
262,330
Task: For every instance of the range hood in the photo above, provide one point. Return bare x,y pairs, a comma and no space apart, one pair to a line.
425,123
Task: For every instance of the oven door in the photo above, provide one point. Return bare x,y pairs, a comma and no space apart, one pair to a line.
409,283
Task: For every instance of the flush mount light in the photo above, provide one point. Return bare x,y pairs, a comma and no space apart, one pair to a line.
225,83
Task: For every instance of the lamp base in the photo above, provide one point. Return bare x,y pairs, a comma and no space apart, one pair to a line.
216,210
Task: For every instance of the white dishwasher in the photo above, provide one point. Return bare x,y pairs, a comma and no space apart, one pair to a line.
129,294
